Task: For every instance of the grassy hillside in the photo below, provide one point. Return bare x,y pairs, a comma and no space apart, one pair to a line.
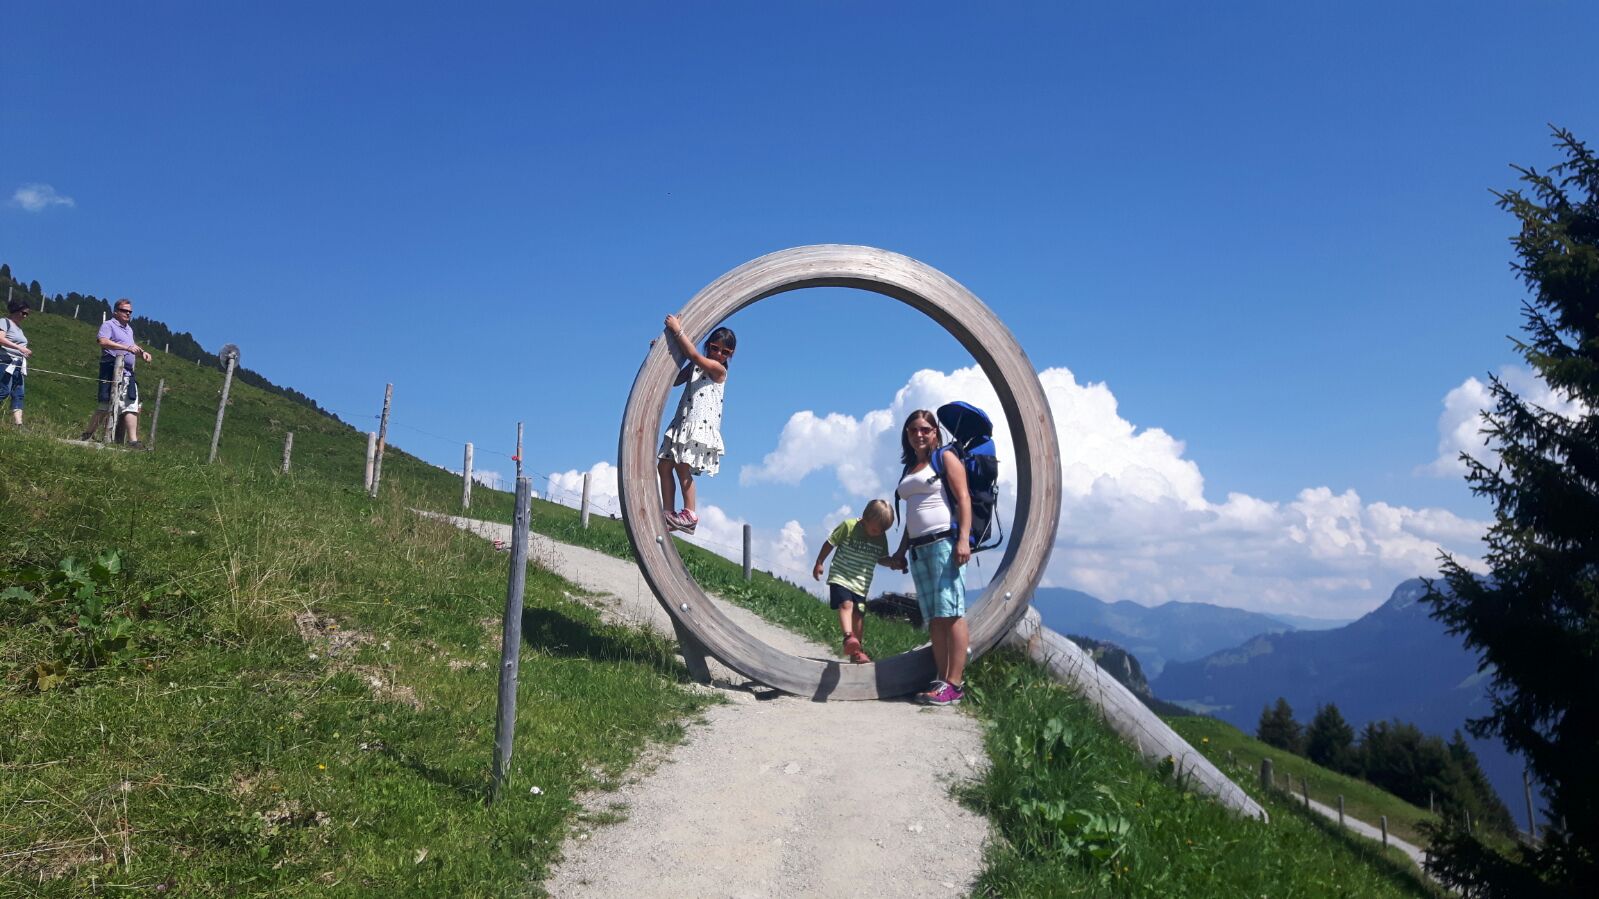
229,681
1079,813
1361,800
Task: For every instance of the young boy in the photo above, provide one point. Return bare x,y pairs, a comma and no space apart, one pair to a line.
862,547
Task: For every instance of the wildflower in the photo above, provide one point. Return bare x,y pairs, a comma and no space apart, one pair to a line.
1205,740
321,767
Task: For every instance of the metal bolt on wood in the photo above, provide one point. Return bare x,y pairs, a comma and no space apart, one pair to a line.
511,641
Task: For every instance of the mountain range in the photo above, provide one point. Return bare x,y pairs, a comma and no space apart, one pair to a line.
1158,635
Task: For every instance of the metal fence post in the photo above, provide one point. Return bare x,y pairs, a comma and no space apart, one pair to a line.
511,642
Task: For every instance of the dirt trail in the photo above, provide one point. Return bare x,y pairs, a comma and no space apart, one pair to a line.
774,796
1416,853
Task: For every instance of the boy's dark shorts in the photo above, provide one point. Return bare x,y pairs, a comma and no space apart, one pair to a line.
837,596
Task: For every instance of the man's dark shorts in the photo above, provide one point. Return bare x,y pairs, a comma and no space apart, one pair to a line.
108,370
837,596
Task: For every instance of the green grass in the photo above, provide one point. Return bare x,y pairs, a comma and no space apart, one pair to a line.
1361,800
1078,813
186,733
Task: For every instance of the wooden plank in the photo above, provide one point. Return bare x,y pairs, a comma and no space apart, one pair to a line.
1021,398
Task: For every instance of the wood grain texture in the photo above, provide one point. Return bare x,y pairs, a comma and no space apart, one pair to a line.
1021,398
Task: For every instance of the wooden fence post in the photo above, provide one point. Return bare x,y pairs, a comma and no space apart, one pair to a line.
155,420
1305,782
1532,821
114,407
288,450
222,407
383,438
584,514
511,642
748,574
75,311
1265,774
1384,820
466,478
371,459
1340,811
518,458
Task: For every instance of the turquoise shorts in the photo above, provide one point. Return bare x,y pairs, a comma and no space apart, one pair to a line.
940,585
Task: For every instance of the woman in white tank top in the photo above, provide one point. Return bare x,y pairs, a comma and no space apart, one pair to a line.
938,524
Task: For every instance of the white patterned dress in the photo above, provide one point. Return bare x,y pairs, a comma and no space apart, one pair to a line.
695,434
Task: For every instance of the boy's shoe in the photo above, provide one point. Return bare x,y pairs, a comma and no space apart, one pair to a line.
853,651
949,695
932,690
135,445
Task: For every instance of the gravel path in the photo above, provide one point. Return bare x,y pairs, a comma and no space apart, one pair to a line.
1416,853
774,795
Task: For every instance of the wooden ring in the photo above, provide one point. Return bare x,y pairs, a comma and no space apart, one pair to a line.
1021,397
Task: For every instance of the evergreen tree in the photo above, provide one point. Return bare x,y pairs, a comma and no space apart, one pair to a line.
5,271
35,289
1329,740
1534,621
1278,728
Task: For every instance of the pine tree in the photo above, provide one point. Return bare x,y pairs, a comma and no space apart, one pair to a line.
1278,728
1329,740
1534,620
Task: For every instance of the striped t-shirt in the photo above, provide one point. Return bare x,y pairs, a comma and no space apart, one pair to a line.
855,556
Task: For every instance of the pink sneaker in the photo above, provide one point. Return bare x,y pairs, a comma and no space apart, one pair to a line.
949,694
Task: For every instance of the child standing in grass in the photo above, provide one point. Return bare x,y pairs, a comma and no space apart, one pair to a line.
692,443
862,546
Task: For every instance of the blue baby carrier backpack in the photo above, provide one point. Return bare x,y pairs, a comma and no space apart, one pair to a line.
973,444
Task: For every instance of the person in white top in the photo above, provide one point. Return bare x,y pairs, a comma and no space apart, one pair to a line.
14,355
938,524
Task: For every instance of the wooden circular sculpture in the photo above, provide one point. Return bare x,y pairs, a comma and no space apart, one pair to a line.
1021,397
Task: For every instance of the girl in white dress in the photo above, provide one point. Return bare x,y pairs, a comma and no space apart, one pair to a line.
692,443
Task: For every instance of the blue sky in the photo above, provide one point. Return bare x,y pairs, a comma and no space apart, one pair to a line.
1265,229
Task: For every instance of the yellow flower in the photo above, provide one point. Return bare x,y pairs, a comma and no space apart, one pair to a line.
321,767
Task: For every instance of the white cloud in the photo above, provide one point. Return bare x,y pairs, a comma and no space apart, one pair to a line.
566,488
1460,425
1135,522
38,197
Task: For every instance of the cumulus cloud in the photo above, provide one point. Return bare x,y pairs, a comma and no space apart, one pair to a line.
39,197
1460,424
1136,523
566,488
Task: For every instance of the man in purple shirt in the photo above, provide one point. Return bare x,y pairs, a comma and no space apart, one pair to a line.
116,339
